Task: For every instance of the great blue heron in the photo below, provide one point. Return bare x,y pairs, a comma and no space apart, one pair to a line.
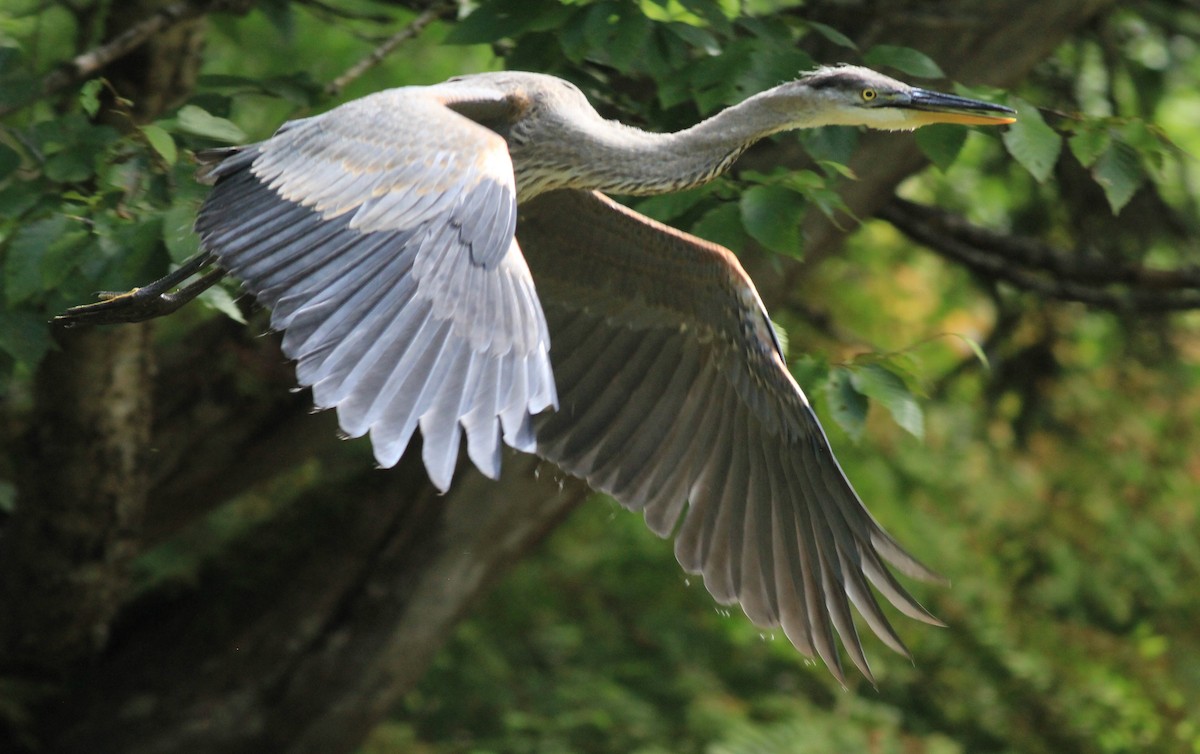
421,248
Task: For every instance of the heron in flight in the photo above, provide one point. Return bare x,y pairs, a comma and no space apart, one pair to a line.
445,257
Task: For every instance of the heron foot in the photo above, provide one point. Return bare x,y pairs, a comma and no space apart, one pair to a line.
156,299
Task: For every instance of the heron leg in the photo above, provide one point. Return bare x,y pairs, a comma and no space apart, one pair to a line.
156,299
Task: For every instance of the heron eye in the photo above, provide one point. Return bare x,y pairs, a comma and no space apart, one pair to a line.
869,94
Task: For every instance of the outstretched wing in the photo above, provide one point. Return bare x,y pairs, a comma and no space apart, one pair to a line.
673,390
380,234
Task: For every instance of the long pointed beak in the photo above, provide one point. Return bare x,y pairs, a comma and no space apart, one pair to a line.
935,107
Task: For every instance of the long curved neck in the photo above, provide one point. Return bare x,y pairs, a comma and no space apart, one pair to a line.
624,160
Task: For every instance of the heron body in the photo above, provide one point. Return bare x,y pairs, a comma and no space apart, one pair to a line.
444,258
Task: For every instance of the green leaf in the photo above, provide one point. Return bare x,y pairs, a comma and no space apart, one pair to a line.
1089,144
696,37
832,168
879,383
667,207
905,59
16,199
279,13
62,257
810,372
69,166
941,144
1034,144
598,23
716,13
23,262
833,143
1152,146
89,96
181,241
161,141
771,215
17,86
10,160
73,145
629,38
1119,173
846,404
199,122
975,349
722,225
832,34
25,336
217,297
818,191
509,18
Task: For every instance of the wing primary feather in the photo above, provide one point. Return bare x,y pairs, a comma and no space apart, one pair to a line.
301,245
439,423
661,432
834,547
791,580
864,526
606,392
722,570
834,482
361,387
690,443
390,323
570,369
762,509
482,420
757,600
636,413
376,270
407,395
712,446
514,413
342,257
848,551
814,596
248,231
663,511
314,329
734,500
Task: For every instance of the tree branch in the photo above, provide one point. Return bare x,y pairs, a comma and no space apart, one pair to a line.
429,15
90,62
1054,273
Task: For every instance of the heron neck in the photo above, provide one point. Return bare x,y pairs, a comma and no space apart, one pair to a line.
638,162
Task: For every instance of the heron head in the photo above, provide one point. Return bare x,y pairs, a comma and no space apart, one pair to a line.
854,96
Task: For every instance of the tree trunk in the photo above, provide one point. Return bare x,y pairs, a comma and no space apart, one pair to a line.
300,638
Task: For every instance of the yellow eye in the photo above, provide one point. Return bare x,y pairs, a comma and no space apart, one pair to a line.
869,94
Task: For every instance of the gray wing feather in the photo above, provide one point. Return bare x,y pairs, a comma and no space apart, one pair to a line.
674,393
381,235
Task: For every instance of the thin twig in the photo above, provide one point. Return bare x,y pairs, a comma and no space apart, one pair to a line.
90,62
377,56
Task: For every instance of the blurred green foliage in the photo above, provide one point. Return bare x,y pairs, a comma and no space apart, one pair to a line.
1042,455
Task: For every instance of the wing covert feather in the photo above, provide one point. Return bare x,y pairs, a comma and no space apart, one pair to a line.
771,521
